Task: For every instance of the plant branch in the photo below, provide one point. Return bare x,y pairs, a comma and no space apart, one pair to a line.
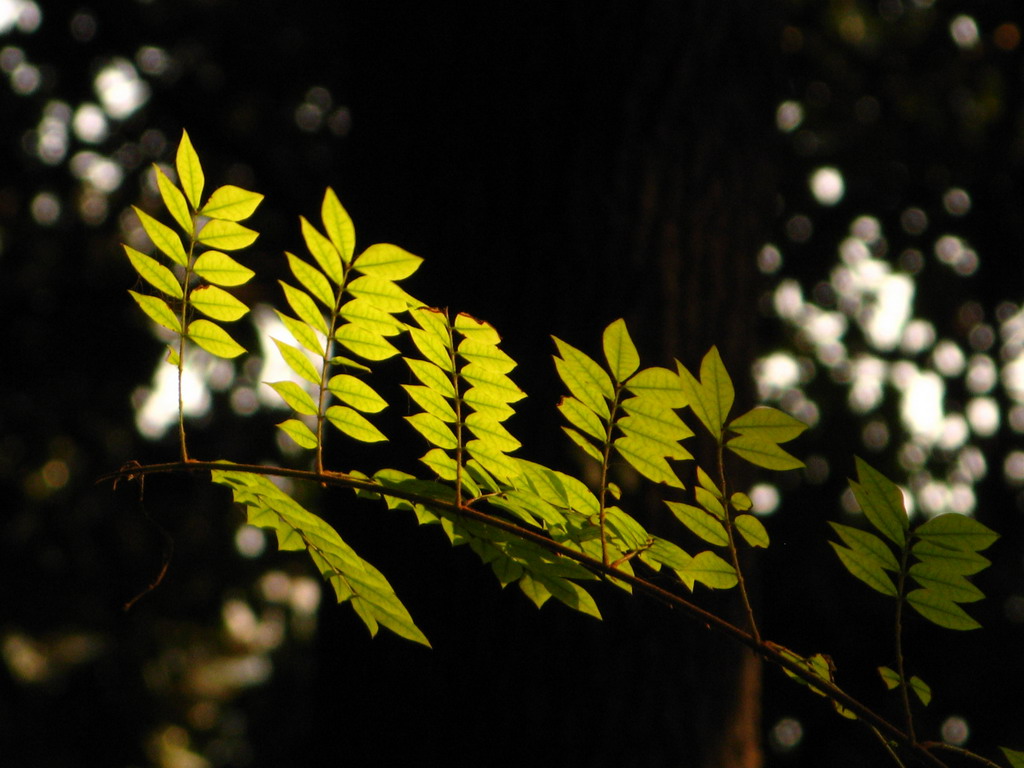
767,650
733,549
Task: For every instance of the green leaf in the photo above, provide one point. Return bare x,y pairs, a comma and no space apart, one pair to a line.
659,426
700,522
478,330
647,458
304,306
434,430
231,203
712,571
866,568
383,294
158,311
443,464
190,171
487,355
498,384
356,393
354,424
431,376
752,530
1016,758
712,397
301,434
303,334
299,362
940,610
890,677
945,582
174,200
659,385
711,501
312,279
504,468
226,235
154,273
338,225
365,315
881,500
214,339
387,261
294,396
431,401
619,351
164,238
762,453
216,303
366,344
956,560
956,531
487,400
577,414
587,447
220,269
585,379
741,502
432,348
491,432
867,545
323,251
768,424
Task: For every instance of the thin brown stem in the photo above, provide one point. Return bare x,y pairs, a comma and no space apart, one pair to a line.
733,549
900,669
606,457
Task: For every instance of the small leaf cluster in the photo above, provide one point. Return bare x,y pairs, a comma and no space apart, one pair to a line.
938,555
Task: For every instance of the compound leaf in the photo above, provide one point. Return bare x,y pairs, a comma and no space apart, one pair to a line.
154,273
231,203
217,303
354,424
190,171
619,351
647,457
940,610
164,238
338,225
214,339
944,582
712,571
174,200
362,313
712,397
960,561
226,235
431,376
303,334
387,261
868,545
357,393
158,311
479,331
220,269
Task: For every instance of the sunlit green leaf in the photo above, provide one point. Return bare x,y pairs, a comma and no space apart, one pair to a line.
487,355
174,200
231,203
216,303
323,251
960,561
478,330
939,610
432,348
868,545
432,402
303,334
383,294
356,393
490,431
768,424
1015,757
922,689
741,502
190,171
220,269
487,400
304,306
301,434
865,568
431,376
956,531
585,379
705,481
364,343
700,522
890,677
164,238
377,321
762,453
881,500
154,273
226,235
587,446
312,279
434,430
158,311
945,582
661,427
711,501
503,467
659,385
712,571
752,530
442,464
338,225
497,383
299,362
354,424
712,397
295,397
214,339
619,351
648,459
387,261
577,414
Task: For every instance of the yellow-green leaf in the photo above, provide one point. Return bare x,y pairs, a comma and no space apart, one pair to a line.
431,376
432,348
881,500
312,279
866,568
712,397
587,447
700,522
364,343
216,303
214,339
356,393
647,458
387,261
867,545
586,380
364,314
768,424
939,610
158,311
323,250
226,235
382,293
960,561
762,453
577,414
231,203
659,385
174,200
164,238
431,401
945,582
154,273
299,362
354,424
487,355
712,571
434,430
190,171
956,531
304,307
301,434
752,530
497,384
294,396
479,330
619,351
504,468
220,269
302,333
338,225
490,431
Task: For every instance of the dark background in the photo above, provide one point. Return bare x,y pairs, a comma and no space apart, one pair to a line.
558,165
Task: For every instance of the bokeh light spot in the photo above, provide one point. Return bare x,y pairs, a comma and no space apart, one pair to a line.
789,115
827,186
964,31
955,731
